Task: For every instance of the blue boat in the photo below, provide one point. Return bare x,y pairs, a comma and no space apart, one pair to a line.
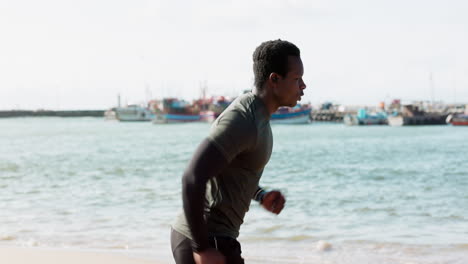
363,118
300,114
176,118
176,111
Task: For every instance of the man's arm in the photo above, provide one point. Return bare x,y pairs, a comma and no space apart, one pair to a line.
207,162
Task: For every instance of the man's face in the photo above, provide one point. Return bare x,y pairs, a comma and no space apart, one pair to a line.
290,88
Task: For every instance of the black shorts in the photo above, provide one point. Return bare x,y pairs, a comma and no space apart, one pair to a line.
183,254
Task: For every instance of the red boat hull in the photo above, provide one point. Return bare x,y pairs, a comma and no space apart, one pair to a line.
460,123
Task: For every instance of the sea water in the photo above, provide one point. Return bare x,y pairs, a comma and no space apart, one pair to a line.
354,194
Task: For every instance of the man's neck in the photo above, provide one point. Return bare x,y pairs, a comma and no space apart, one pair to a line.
267,98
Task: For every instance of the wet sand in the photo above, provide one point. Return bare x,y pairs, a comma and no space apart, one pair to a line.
56,256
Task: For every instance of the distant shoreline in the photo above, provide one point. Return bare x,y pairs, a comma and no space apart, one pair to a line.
61,113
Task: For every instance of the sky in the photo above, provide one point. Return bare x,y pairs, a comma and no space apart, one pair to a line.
66,55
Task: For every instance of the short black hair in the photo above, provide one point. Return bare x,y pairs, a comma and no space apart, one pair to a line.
272,56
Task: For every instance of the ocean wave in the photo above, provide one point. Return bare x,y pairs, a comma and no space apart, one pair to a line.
271,229
9,167
7,237
294,238
29,243
366,209
126,247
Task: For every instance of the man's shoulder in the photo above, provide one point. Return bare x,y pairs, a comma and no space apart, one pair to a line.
248,106
240,108
235,131
246,113
243,102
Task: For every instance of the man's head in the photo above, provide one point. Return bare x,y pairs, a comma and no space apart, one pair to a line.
278,67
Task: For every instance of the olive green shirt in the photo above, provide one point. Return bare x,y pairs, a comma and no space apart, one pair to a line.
243,135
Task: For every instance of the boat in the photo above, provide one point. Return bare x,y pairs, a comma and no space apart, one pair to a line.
176,118
300,114
133,112
417,120
458,120
363,118
412,115
212,107
110,114
208,116
459,116
175,110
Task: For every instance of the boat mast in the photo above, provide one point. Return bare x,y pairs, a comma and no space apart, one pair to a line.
431,83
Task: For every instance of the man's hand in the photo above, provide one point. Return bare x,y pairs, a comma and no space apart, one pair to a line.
209,256
274,202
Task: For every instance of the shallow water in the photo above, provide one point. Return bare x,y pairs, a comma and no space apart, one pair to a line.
386,194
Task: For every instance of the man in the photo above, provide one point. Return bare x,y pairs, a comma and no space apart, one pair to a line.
223,175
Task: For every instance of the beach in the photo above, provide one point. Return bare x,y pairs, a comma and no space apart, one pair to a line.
85,188
55,256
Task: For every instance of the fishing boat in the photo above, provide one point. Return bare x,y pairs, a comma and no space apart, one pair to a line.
363,118
174,110
133,112
212,107
208,116
412,115
458,116
458,120
176,118
300,114
110,114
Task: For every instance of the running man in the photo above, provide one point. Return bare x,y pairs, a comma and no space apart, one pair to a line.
223,175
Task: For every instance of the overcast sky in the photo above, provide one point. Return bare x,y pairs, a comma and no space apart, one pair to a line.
63,54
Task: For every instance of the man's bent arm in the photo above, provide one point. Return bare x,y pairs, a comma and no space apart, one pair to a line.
207,162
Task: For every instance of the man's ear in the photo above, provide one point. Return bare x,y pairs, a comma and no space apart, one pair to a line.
274,77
